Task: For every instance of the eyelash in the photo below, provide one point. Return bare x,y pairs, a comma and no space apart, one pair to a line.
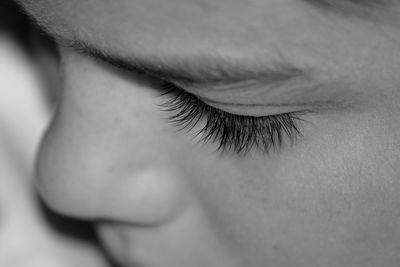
237,133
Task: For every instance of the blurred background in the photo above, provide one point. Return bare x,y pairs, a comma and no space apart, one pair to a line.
31,234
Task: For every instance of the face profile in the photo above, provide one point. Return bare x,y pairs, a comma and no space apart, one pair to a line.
227,133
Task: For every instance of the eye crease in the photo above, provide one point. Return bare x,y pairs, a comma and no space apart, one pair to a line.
231,132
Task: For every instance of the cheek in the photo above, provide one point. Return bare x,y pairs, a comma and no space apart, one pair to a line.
334,195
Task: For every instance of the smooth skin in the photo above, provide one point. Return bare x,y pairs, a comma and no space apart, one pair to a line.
162,199
28,237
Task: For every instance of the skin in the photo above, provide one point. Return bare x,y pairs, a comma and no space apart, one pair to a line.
160,198
27,236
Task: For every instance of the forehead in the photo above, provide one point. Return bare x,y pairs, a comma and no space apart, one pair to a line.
195,25
246,33
161,15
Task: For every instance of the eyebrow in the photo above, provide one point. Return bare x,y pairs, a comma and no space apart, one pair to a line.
365,9
212,69
361,3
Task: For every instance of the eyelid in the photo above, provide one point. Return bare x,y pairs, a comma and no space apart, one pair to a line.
255,105
239,133
267,109
243,103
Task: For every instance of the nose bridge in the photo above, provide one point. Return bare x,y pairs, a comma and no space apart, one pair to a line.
115,109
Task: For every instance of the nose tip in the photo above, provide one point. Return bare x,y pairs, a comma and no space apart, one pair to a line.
141,188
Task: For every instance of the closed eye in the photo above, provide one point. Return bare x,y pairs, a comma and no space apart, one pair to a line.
230,132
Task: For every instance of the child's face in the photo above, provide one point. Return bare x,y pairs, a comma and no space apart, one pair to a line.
163,198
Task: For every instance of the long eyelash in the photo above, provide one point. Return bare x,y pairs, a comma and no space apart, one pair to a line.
239,133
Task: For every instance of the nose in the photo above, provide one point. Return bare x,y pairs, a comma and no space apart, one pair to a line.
107,154
147,196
